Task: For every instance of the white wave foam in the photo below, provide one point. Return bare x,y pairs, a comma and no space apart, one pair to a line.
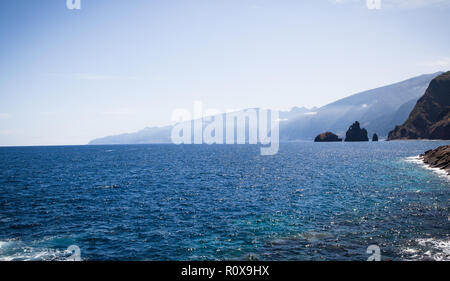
419,161
18,251
429,249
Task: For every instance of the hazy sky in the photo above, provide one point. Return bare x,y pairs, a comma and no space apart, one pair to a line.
68,76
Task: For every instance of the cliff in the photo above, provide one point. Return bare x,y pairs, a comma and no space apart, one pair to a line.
430,118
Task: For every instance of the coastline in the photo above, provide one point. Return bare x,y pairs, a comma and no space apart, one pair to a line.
438,158
419,160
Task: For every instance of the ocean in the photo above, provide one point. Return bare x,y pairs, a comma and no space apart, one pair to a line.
311,201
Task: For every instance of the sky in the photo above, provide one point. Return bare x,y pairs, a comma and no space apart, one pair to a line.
116,66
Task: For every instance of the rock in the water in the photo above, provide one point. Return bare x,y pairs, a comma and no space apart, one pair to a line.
375,137
327,137
355,133
438,158
430,118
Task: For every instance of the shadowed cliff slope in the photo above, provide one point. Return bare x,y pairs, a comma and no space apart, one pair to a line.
430,118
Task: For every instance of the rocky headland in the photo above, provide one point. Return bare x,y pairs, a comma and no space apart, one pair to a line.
430,118
438,158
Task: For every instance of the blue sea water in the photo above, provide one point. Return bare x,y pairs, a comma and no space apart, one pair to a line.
311,201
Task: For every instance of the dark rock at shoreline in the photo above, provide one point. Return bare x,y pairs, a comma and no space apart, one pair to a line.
438,158
327,137
355,133
430,118
375,137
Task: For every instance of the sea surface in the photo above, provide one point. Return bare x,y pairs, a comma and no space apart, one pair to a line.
311,201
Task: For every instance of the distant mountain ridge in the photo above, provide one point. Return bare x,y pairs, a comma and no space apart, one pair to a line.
145,136
153,135
378,110
430,118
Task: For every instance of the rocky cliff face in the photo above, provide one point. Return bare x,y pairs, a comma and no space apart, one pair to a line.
430,118
327,137
355,133
438,158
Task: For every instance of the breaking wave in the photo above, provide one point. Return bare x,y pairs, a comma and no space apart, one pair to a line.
14,250
428,249
419,161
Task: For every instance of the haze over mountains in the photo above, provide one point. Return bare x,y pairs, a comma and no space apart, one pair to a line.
379,110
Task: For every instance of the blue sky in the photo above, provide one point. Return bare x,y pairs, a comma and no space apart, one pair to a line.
68,76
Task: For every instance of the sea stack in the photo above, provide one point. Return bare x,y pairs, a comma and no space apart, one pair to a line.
375,137
327,137
355,133
438,158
